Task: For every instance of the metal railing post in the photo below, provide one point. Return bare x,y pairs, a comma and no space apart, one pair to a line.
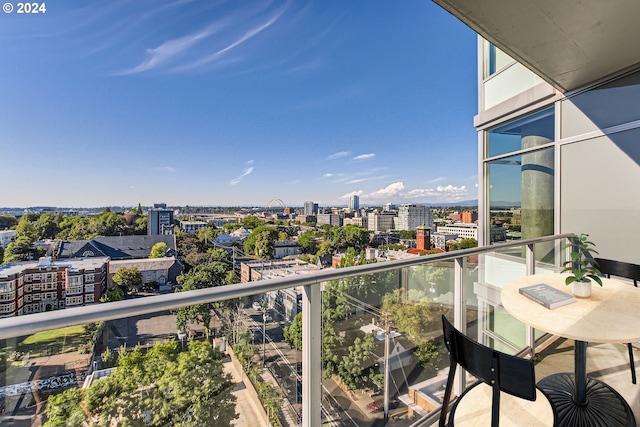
459,315
530,264
311,356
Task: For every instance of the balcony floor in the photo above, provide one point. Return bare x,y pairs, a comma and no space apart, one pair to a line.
607,362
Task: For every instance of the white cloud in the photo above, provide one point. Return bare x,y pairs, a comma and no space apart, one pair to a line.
246,172
338,155
246,36
327,175
171,49
353,193
390,190
451,189
364,156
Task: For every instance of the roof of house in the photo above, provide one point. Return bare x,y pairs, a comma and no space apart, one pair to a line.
115,247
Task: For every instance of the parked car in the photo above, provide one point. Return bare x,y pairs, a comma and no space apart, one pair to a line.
257,306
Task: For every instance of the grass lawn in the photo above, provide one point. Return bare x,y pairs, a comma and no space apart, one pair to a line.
54,342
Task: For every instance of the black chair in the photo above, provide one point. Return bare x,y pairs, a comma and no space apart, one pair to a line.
505,393
626,270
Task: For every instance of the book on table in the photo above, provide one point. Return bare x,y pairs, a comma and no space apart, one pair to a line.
547,296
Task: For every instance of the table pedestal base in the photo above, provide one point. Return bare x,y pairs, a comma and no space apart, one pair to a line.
604,407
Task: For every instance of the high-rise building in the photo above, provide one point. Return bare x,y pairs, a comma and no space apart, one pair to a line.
310,208
388,207
410,217
160,220
558,118
381,221
469,216
354,203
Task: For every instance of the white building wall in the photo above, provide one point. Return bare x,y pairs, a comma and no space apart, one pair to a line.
411,217
6,237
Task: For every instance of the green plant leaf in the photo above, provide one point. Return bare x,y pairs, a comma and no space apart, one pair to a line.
569,280
595,279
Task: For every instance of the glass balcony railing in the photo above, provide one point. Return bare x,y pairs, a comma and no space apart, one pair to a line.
366,351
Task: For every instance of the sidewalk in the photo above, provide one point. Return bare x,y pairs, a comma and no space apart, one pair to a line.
246,407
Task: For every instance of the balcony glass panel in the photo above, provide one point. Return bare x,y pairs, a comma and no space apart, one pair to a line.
262,335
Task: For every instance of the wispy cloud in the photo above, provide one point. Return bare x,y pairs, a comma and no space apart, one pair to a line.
438,179
338,155
208,44
248,169
364,156
171,49
170,169
246,36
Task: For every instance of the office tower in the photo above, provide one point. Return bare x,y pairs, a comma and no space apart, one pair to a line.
354,203
310,208
160,220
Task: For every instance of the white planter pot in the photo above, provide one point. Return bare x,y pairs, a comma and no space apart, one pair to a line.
581,289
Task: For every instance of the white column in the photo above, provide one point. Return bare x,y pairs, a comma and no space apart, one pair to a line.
311,356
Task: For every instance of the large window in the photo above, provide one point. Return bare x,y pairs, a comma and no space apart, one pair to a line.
519,166
495,60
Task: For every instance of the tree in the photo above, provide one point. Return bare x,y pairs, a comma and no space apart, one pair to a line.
108,223
467,243
413,319
47,226
325,248
17,251
159,250
260,242
160,387
202,276
27,229
113,294
7,221
293,332
207,234
131,278
355,237
307,242
356,368
141,225
250,222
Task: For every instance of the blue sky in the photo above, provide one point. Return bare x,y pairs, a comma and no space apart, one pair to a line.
208,102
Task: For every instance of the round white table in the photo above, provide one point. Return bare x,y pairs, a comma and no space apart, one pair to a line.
610,315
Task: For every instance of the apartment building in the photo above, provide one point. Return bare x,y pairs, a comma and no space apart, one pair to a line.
381,221
329,218
558,118
193,226
35,287
6,237
360,221
286,302
410,217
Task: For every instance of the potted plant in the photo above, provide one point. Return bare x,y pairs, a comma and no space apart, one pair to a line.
582,265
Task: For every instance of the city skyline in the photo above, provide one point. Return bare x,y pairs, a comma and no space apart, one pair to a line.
237,103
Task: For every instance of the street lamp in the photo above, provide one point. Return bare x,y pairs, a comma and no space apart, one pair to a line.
264,331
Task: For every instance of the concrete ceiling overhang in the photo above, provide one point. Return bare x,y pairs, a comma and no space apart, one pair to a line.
569,43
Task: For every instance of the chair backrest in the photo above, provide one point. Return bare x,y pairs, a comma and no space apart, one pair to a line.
501,371
610,267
